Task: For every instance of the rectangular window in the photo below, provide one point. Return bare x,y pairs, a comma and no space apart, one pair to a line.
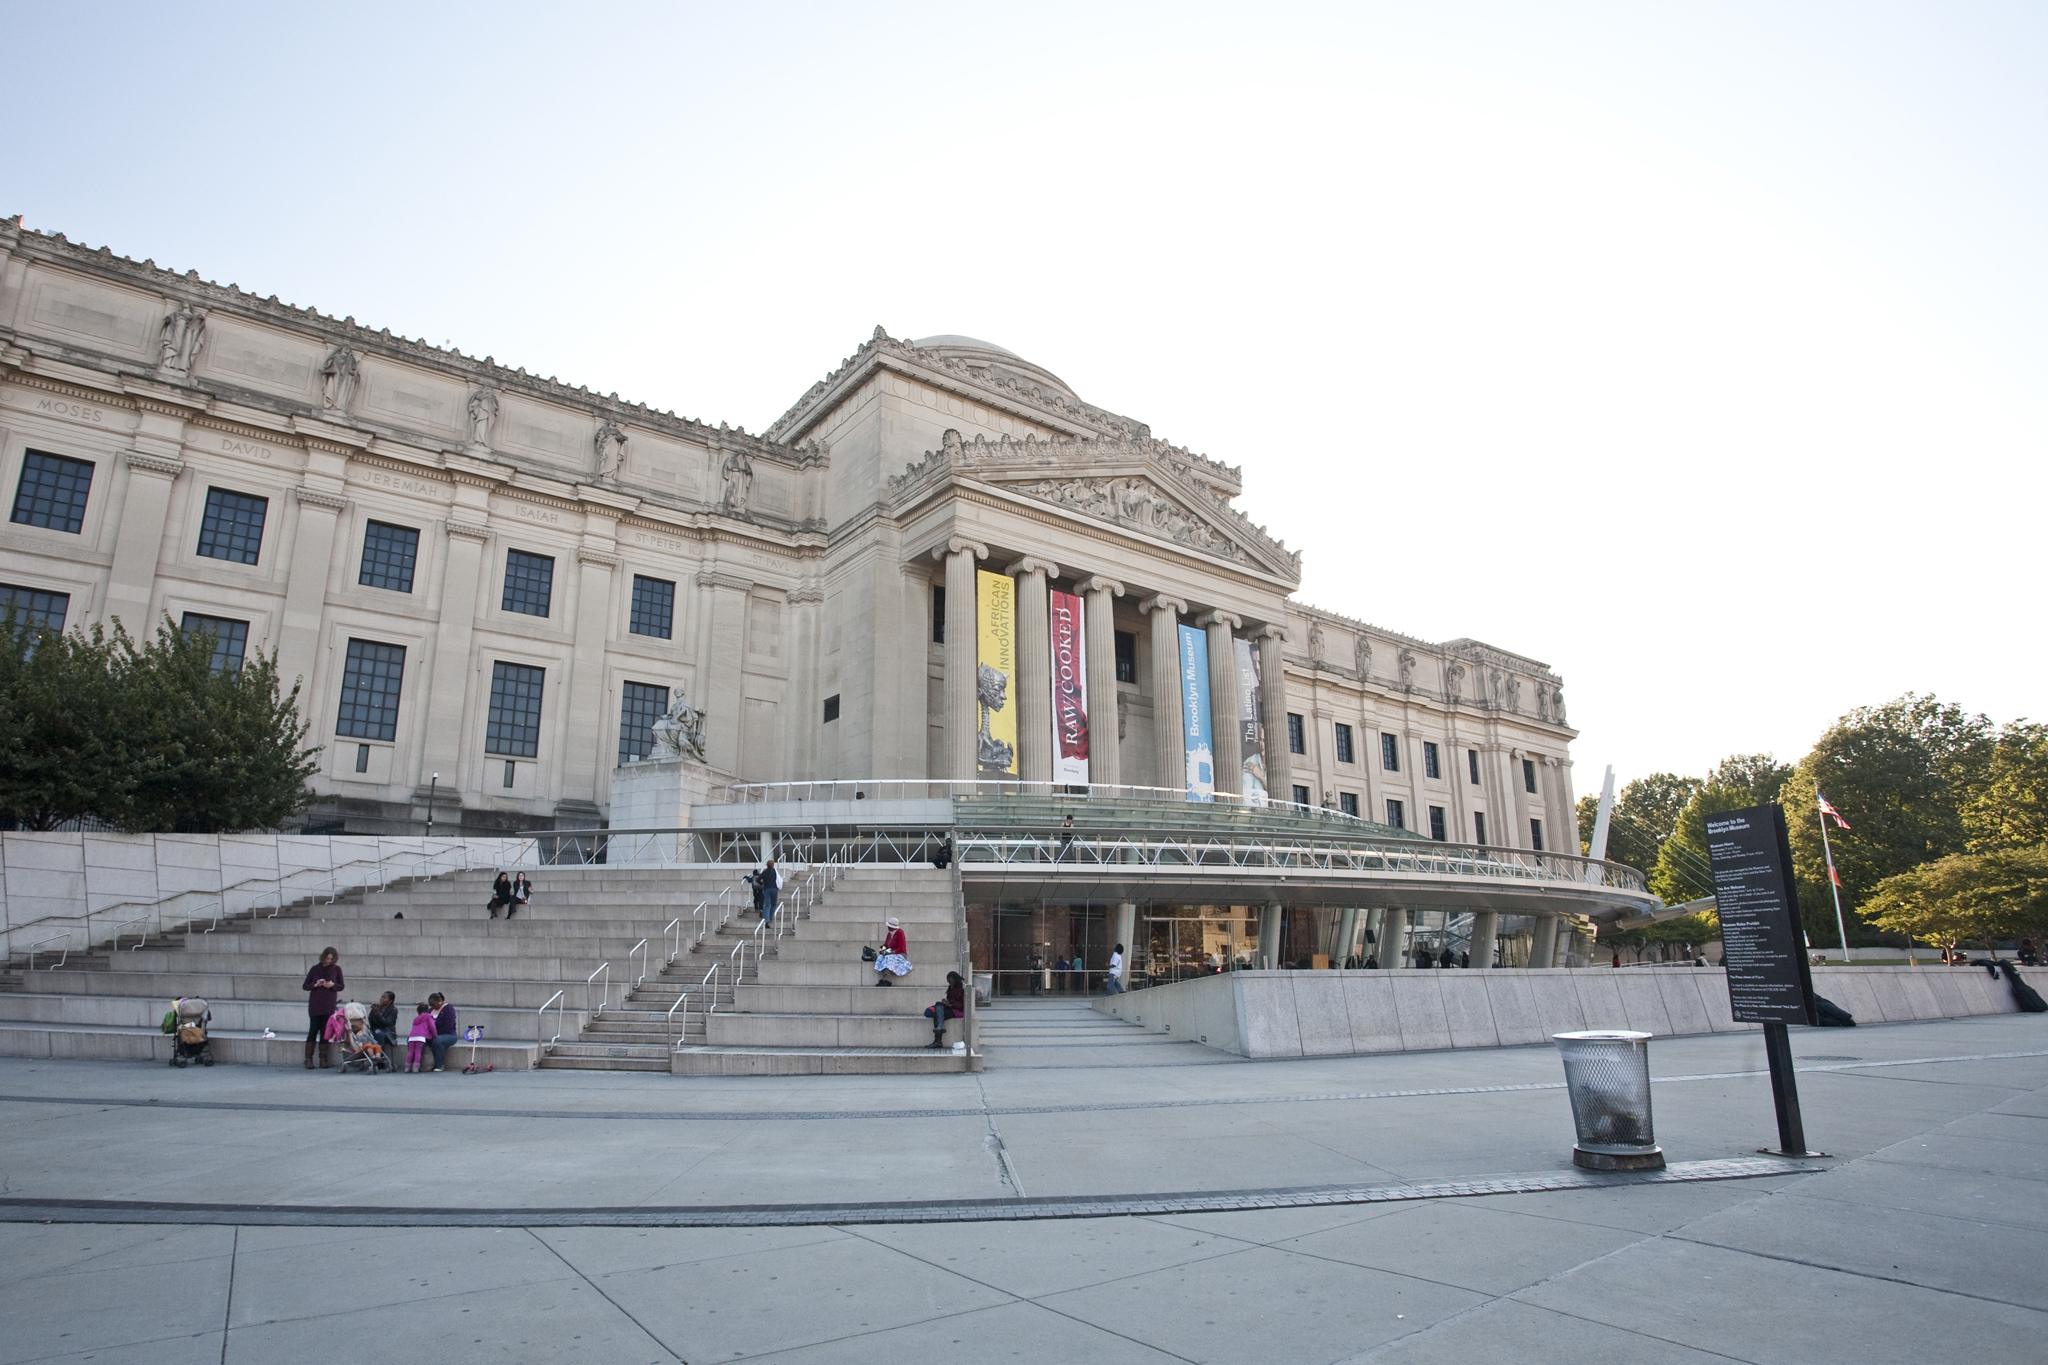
52,492
1529,774
389,554
232,528
1536,835
1397,815
938,614
832,708
1297,739
1390,753
1472,762
644,704
514,724
230,639
654,608
1344,753
370,684
1348,803
362,758
510,769
1301,796
529,584
1432,760
1126,657
1478,826
1436,824
33,606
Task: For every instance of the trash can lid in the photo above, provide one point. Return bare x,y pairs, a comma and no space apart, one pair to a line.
1602,1035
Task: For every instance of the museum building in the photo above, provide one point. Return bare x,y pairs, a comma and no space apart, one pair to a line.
940,564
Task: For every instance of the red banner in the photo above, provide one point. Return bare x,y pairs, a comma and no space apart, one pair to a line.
1069,690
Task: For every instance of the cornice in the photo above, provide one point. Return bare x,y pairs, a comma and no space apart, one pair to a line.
311,497
997,498
84,393
807,594
154,464
398,464
600,557
467,530
718,578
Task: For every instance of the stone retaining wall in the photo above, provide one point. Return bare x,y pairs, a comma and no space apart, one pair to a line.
1337,1013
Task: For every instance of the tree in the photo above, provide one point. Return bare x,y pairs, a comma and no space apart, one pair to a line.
1645,812
1901,774
2010,808
57,727
1975,897
1683,870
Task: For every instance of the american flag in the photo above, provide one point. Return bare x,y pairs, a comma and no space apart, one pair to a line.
1826,809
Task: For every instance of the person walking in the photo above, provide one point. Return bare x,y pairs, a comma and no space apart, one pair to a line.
323,986
1115,984
954,1006
768,884
444,1028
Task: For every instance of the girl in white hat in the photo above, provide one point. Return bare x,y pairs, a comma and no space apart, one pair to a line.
891,960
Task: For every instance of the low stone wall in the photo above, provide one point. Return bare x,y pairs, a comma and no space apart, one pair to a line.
1339,1013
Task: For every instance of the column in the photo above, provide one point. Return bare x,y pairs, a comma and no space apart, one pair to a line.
448,680
1034,668
584,689
961,720
1273,712
1123,929
1485,925
1393,939
1105,763
1543,951
138,540
1223,721
305,594
1347,934
1269,935
1518,792
721,686
1169,741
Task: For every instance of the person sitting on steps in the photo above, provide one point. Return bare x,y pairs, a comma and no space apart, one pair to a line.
954,1006
893,959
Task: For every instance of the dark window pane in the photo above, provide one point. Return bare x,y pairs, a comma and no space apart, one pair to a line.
1126,656
644,704
938,614
1396,815
1478,826
514,724
654,608
369,691
1348,802
33,606
1297,739
1436,823
1390,753
52,492
230,639
1536,835
832,707
1529,774
232,528
1472,758
1344,753
389,553
1432,762
529,584
1301,796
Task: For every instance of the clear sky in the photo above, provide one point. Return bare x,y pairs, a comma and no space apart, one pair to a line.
1696,350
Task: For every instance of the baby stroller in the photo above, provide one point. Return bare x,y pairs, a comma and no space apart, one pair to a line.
359,1051
186,1023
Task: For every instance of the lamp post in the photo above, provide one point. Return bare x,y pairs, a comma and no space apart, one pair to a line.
430,803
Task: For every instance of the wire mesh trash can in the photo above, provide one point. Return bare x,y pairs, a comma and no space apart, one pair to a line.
1607,1072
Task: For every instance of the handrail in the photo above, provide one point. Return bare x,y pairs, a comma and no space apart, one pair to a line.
640,948
606,969
142,920
675,927
66,957
540,1022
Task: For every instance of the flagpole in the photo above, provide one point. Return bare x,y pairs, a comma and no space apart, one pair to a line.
1834,883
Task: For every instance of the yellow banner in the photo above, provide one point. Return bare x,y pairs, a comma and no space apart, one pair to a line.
995,680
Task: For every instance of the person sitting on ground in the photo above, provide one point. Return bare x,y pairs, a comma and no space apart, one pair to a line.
522,892
444,1028
954,1006
501,894
421,1038
384,1022
894,957
944,857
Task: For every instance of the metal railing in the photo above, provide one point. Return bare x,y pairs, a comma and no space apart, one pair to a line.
141,939
604,969
640,948
561,1021
40,943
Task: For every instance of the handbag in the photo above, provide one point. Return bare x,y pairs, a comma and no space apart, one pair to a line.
867,954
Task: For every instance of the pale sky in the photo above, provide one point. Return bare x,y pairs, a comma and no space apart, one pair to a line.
1696,350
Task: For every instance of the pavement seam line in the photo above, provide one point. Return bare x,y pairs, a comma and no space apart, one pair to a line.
616,1305
227,1312
1849,1270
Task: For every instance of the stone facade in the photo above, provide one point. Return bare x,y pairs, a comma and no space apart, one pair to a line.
801,565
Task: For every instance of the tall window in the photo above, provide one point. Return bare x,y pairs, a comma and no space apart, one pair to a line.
52,492
1390,753
654,608
529,582
232,528
1472,762
1536,835
1348,802
1126,657
1432,760
644,704
370,683
33,606
389,553
938,614
1344,752
1297,739
1529,774
514,725
1397,815
230,639
1436,824
1478,826
831,709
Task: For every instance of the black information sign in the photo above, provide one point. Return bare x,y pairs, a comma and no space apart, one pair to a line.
1762,944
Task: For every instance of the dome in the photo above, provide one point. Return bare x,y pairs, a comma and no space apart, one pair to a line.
977,354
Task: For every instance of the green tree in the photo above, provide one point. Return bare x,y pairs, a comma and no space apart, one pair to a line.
58,736
1646,810
207,750
1966,897
2010,808
1901,774
1683,870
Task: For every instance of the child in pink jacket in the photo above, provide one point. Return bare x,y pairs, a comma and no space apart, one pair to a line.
422,1033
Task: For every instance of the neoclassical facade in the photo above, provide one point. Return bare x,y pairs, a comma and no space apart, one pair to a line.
488,582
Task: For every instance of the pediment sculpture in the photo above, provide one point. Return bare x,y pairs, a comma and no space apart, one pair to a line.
1136,503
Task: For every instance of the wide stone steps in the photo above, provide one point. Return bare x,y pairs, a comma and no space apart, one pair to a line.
824,1061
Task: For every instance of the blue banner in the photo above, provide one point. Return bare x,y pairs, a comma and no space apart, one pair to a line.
1194,714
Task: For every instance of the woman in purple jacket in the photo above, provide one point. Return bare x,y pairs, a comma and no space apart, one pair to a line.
323,987
444,1028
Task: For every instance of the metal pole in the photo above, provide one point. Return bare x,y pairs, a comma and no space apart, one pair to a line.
1785,1091
431,785
1828,851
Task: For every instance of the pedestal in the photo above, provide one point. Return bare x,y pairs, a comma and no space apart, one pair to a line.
657,794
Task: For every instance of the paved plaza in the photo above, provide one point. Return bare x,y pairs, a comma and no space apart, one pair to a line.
1046,1209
